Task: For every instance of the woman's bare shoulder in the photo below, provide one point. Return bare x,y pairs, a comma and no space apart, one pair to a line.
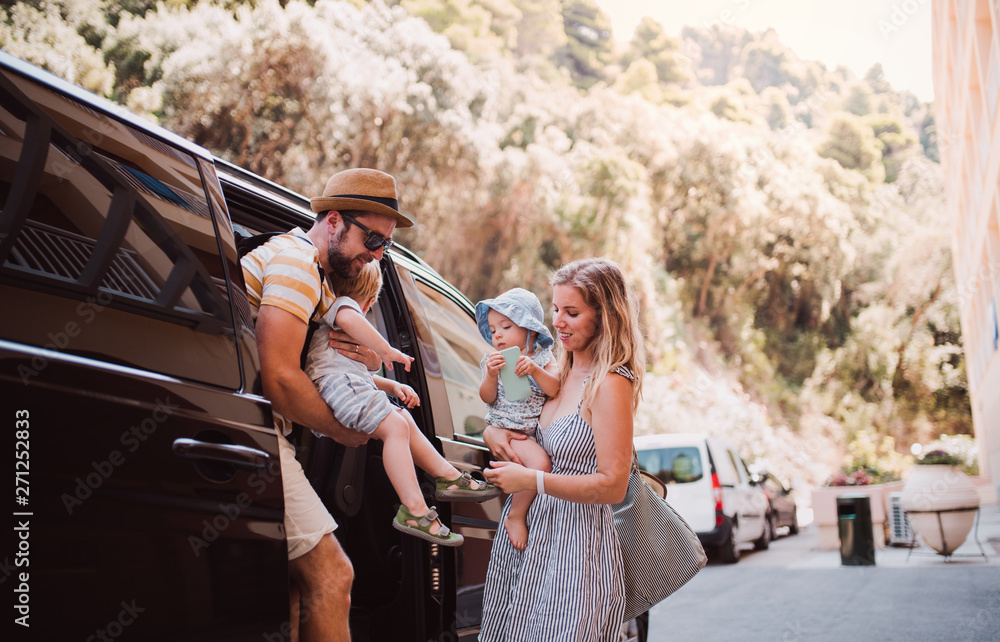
614,395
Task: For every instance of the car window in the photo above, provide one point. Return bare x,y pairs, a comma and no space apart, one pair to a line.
460,349
110,246
741,471
680,465
744,471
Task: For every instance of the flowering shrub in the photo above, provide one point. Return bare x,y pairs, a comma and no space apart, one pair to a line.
861,476
941,457
952,450
872,462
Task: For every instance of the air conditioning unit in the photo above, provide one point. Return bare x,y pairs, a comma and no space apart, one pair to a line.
900,533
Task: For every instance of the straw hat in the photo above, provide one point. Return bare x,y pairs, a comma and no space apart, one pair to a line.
368,190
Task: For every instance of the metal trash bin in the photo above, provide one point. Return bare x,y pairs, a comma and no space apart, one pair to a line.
854,521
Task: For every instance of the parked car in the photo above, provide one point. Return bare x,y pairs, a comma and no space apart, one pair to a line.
128,361
710,487
782,511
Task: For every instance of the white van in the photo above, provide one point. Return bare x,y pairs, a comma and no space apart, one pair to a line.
709,486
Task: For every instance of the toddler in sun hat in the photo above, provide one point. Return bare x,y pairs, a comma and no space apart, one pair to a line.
515,319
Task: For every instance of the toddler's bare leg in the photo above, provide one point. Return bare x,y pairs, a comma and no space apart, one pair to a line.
532,456
426,457
395,435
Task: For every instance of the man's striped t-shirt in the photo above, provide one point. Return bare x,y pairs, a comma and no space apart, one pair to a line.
284,273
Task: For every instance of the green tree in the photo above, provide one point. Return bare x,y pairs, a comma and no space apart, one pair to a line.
60,37
875,77
859,99
650,42
589,43
540,31
766,65
715,52
777,110
852,144
470,25
896,142
640,78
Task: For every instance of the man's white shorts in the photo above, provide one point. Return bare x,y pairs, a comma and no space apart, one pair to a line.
306,519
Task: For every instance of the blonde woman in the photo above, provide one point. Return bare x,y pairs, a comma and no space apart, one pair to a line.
567,584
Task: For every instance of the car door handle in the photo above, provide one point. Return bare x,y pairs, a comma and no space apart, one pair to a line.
239,456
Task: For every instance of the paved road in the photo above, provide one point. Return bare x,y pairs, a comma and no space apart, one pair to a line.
794,592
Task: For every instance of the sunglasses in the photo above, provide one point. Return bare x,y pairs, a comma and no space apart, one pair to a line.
374,240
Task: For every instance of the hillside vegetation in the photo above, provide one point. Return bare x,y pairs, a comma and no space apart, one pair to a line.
783,223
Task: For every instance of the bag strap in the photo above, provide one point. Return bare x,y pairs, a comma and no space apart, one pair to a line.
648,478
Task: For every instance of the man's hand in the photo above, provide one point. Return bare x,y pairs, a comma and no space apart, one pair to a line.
345,345
348,437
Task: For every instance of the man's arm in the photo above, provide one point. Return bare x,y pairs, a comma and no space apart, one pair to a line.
280,337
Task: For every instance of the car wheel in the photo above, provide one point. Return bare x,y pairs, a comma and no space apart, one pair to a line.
764,542
729,550
793,528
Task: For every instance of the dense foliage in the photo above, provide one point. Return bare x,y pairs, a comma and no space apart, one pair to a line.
784,224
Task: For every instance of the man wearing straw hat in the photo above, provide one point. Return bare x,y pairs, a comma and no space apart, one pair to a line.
355,218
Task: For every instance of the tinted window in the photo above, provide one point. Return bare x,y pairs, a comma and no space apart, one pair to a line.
109,245
460,348
741,470
680,465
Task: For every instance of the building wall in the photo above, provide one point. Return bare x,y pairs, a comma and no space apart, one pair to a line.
966,63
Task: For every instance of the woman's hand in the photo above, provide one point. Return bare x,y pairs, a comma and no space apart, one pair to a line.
498,441
510,477
345,345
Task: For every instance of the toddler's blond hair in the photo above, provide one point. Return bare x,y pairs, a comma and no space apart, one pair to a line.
366,286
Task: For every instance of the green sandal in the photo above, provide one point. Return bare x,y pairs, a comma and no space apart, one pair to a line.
444,536
464,492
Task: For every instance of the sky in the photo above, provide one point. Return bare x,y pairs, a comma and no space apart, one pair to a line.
853,33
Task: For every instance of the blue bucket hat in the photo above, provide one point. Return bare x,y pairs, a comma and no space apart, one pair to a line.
521,307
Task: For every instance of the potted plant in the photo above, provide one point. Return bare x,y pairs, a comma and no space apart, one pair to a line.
940,500
855,477
872,467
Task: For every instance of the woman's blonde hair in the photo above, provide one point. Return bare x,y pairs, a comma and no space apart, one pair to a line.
366,286
617,340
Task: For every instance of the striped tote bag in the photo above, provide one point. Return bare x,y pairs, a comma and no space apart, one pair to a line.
660,552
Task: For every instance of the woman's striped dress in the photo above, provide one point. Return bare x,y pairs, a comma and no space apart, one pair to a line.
567,584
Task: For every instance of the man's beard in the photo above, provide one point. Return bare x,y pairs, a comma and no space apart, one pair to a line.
345,267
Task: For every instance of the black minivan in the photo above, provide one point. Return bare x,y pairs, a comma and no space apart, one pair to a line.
147,496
